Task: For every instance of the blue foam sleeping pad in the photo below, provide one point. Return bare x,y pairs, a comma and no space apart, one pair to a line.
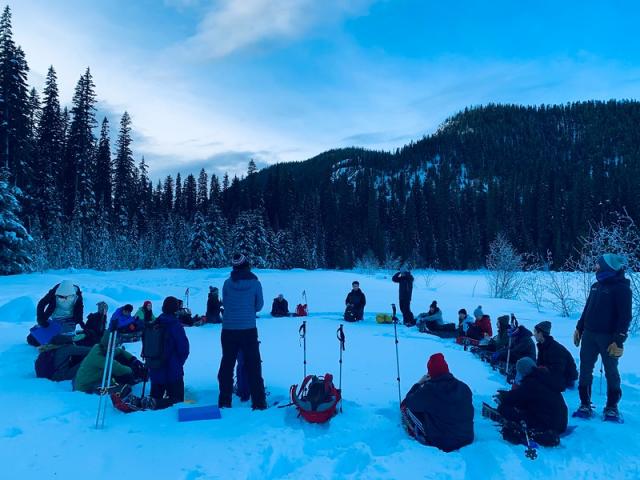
192,414
45,334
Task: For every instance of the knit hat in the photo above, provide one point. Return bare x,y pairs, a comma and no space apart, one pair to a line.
525,366
478,313
170,305
239,260
611,261
146,303
100,303
437,366
127,308
544,328
462,311
66,288
434,305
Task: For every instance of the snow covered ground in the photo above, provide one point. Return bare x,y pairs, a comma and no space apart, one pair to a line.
46,430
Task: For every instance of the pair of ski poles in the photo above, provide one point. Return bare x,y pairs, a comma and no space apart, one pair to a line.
106,378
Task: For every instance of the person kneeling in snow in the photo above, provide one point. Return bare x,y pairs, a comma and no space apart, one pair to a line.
521,346
555,357
438,410
95,326
280,307
355,302
536,400
127,369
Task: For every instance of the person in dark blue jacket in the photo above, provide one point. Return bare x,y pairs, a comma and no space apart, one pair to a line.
602,330
242,299
123,320
169,379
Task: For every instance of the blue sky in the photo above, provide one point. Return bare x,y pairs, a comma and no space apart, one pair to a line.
212,83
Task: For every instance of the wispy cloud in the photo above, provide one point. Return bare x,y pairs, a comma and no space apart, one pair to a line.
231,25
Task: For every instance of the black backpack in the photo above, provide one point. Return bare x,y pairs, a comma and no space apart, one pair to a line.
45,367
153,339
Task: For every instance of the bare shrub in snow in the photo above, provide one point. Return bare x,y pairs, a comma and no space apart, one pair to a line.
504,268
533,283
368,264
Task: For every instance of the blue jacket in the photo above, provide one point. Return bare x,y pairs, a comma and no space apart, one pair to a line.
176,351
126,322
242,299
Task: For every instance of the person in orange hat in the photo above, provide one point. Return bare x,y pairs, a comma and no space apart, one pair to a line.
438,410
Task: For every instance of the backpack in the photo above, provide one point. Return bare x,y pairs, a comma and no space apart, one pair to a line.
317,398
302,310
153,340
384,318
45,367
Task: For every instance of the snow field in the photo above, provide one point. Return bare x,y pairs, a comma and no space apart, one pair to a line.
46,430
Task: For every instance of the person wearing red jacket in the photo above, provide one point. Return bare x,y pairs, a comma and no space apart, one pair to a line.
481,329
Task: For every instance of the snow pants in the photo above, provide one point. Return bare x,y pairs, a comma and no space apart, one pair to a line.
245,341
407,314
173,390
594,344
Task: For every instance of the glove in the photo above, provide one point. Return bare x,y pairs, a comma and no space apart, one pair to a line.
576,338
614,350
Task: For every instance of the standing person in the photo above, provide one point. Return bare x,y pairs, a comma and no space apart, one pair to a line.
355,301
214,306
555,357
404,279
602,330
242,294
438,410
168,379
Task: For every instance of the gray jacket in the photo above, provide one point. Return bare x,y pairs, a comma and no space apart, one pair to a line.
242,294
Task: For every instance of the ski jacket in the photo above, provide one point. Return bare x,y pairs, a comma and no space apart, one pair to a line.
145,316
89,375
444,406
608,308
279,308
358,300
522,345
466,323
484,324
434,317
47,305
538,401
242,299
121,320
405,285
560,363
93,329
175,351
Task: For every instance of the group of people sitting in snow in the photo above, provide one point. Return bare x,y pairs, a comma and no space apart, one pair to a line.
438,409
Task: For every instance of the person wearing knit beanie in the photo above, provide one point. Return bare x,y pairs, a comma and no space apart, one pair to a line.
478,313
602,330
438,410
555,357
170,305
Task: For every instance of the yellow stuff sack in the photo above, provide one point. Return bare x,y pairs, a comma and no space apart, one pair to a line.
384,318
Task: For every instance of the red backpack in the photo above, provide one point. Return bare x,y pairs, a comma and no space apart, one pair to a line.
317,398
302,310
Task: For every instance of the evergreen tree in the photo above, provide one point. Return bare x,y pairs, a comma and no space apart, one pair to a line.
15,242
103,182
179,202
189,196
48,163
249,236
14,100
202,199
124,187
200,251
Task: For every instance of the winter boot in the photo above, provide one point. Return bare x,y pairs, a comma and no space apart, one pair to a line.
585,410
611,412
125,401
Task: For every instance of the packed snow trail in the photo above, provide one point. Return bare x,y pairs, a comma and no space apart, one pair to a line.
47,431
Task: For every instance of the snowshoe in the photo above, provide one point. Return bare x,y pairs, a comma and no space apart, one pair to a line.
491,413
583,411
125,401
611,414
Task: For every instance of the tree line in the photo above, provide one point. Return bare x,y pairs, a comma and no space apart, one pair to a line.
70,197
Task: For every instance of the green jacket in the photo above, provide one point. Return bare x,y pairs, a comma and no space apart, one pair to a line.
140,315
89,376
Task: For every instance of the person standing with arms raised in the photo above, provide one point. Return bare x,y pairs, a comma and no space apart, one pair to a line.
242,300
404,279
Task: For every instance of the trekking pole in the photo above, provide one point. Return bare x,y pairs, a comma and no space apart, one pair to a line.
303,337
106,375
514,323
146,377
341,339
395,332
104,379
601,377
186,294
